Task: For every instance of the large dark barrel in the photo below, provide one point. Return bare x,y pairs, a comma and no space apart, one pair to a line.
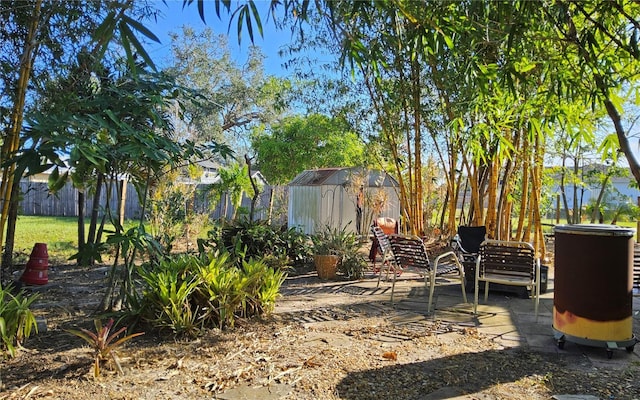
593,296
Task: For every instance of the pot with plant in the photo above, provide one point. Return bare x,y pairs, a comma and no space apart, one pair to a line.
335,250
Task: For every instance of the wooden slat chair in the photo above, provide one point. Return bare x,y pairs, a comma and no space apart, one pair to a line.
385,249
507,263
410,253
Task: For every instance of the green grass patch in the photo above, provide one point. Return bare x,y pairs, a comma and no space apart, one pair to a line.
549,223
59,233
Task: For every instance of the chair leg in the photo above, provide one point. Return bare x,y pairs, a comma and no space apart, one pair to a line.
537,299
432,285
475,296
486,291
393,287
462,284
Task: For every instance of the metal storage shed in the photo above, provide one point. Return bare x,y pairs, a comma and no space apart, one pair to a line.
336,197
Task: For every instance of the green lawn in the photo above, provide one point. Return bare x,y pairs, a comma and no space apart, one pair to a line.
59,233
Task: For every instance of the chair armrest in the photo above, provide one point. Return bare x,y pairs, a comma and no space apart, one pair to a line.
451,254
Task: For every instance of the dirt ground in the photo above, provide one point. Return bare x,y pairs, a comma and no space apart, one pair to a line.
337,351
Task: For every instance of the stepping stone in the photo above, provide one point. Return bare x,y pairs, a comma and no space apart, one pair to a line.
246,392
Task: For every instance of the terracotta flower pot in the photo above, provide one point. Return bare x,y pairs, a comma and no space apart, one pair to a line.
326,265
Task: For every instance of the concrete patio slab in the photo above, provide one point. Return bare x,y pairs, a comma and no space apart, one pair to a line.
507,319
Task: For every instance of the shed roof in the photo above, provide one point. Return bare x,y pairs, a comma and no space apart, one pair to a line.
341,176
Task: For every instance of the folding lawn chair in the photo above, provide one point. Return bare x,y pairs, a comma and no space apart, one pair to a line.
410,253
381,240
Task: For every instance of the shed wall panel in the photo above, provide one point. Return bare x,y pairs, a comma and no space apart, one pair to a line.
312,208
304,209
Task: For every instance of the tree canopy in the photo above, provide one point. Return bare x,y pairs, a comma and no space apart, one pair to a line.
300,143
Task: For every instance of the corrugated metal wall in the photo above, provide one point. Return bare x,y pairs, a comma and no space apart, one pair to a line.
304,208
311,208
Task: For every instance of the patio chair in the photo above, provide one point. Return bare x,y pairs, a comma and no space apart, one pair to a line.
467,245
388,226
507,263
410,253
381,241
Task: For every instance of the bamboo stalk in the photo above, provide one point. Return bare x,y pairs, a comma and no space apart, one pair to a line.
12,141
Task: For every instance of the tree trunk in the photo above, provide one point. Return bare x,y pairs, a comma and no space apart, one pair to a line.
11,142
417,147
270,213
95,208
524,200
463,220
563,174
623,140
596,206
536,190
80,221
122,201
256,192
577,213
504,210
492,190
7,256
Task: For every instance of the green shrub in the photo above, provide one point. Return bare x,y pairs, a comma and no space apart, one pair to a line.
166,299
188,293
353,265
16,319
246,239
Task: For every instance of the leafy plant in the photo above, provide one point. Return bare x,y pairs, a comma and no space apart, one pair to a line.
344,244
269,289
166,301
258,239
103,343
188,293
353,265
222,292
16,319
330,241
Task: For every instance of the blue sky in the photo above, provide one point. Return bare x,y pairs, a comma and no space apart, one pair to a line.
175,17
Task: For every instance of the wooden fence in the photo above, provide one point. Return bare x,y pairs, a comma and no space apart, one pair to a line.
36,200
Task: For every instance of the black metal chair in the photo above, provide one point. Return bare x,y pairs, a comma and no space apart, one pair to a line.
466,244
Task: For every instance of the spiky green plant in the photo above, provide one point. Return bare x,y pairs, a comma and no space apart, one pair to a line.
103,343
17,322
167,300
188,293
269,289
222,290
